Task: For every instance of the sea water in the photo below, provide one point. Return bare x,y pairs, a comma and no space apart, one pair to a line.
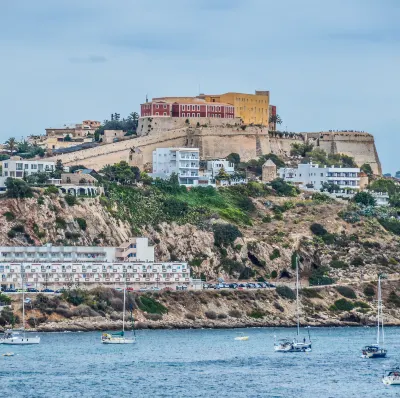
199,363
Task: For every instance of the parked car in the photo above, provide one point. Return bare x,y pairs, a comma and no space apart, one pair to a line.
32,290
182,287
242,285
130,289
47,291
10,290
119,289
143,289
59,291
167,289
155,288
233,286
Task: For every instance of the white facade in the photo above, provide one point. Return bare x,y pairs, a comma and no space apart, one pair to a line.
214,167
136,249
56,275
18,168
311,176
182,161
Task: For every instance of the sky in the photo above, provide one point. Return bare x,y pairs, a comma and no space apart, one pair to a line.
331,64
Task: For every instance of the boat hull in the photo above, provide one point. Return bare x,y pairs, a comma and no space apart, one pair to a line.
391,380
119,341
294,347
245,338
21,341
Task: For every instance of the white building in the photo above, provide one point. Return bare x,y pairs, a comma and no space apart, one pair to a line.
312,177
182,161
215,166
136,249
65,266
18,168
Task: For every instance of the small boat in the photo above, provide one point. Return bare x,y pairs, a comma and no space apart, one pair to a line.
119,337
295,345
13,337
241,337
8,354
392,378
374,350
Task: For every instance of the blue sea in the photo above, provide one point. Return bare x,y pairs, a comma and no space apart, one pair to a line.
199,363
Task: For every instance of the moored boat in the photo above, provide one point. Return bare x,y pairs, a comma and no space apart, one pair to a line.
392,378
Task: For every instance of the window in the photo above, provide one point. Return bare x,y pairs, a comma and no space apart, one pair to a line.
6,174
183,114
165,113
26,166
193,115
19,174
165,106
198,115
19,166
156,113
5,165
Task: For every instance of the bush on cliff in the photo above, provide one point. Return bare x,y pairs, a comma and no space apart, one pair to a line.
7,317
18,188
342,305
346,291
369,291
225,234
286,292
151,306
319,276
390,225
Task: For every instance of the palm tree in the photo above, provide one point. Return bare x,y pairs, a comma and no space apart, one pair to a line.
11,145
276,119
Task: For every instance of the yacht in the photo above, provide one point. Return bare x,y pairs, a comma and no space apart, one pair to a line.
119,337
375,350
15,337
392,378
296,344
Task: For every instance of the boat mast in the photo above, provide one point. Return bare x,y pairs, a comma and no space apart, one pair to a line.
23,299
297,295
380,316
123,314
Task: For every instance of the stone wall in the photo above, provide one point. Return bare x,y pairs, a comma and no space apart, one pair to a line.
359,145
219,141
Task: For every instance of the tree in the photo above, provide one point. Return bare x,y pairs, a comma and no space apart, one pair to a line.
222,175
18,188
394,200
37,178
225,234
383,185
364,198
23,147
122,173
301,149
67,138
330,187
233,158
366,168
276,119
11,145
282,188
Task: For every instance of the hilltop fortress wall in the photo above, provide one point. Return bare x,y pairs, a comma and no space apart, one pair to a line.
216,138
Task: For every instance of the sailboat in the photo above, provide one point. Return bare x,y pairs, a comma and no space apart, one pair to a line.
374,350
14,337
296,345
119,337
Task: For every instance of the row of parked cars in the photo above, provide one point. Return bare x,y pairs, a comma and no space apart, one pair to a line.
240,286
32,290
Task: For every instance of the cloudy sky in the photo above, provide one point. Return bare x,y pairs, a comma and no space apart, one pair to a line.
328,64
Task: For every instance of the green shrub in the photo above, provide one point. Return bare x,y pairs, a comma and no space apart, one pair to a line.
257,314
175,208
274,274
232,266
320,197
19,228
51,189
343,305
151,306
72,235
346,291
361,304
369,291
74,296
391,225
5,299
225,234
211,314
18,188
318,229
394,299
11,234
267,219
286,292
282,188
275,254
82,223
70,199
319,277
364,198
222,316
60,223
9,216
40,200
238,248
235,314
338,264
190,316
310,293
357,261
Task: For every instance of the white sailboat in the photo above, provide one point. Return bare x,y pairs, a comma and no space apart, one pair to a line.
374,350
14,337
296,345
392,378
119,337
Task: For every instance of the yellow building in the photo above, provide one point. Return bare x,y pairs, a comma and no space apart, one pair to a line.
251,108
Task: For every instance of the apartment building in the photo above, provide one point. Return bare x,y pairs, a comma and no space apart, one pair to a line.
182,161
215,166
16,167
312,176
62,266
